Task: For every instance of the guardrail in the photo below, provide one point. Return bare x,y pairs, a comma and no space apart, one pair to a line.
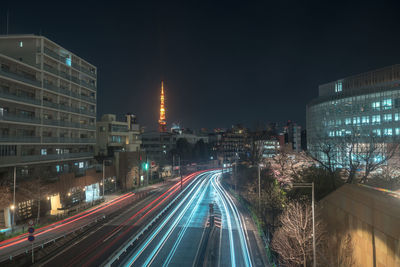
124,248
48,241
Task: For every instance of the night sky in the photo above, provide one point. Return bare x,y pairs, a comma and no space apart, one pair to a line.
222,62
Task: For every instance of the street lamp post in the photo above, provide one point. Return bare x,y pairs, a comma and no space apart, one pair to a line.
104,173
259,187
310,185
13,205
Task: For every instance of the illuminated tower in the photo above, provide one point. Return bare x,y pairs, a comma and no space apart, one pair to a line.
162,123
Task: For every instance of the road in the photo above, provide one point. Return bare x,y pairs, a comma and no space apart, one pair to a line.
189,236
124,215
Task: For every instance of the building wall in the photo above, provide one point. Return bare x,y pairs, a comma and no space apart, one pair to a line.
47,103
372,218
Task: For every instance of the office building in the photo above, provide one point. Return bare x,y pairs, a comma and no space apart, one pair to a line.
364,107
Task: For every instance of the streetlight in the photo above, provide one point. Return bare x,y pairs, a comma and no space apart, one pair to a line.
310,185
259,166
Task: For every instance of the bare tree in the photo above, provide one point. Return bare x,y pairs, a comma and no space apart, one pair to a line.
376,153
324,150
337,251
293,240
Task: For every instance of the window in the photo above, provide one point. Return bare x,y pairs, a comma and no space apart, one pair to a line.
397,116
397,131
376,119
376,132
387,132
338,122
348,121
365,120
348,132
21,44
356,121
338,87
376,106
387,117
43,151
387,104
68,61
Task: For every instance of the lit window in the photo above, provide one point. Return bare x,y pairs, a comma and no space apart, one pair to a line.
43,151
387,104
387,117
348,121
376,105
356,120
397,131
21,44
58,168
81,165
338,122
68,61
365,120
338,87
396,116
376,132
376,119
348,132
388,131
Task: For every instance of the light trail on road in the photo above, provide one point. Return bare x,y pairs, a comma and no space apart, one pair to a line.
51,227
176,238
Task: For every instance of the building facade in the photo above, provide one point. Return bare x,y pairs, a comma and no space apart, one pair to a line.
157,146
116,136
364,107
47,109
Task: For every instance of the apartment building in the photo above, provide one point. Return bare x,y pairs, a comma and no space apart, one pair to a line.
47,106
117,136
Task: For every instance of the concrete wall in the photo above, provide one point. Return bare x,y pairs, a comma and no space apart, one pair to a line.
373,220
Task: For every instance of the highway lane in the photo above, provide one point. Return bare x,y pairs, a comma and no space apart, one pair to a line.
179,238
19,243
97,245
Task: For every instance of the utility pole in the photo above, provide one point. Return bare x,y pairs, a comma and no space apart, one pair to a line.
236,176
180,174
147,171
104,173
259,187
13,206
310,185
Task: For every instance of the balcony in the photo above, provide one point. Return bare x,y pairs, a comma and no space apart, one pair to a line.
51,87
65,75
56,157
87,85
19,139
24,99
84,70
19,118
20,78
51,104
69,140
87,98
51,53
50,69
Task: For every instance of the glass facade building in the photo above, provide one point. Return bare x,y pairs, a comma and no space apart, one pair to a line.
361,107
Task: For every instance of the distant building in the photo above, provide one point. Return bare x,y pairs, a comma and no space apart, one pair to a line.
157,145
292,133
269,148
115,136
233,142
365,107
